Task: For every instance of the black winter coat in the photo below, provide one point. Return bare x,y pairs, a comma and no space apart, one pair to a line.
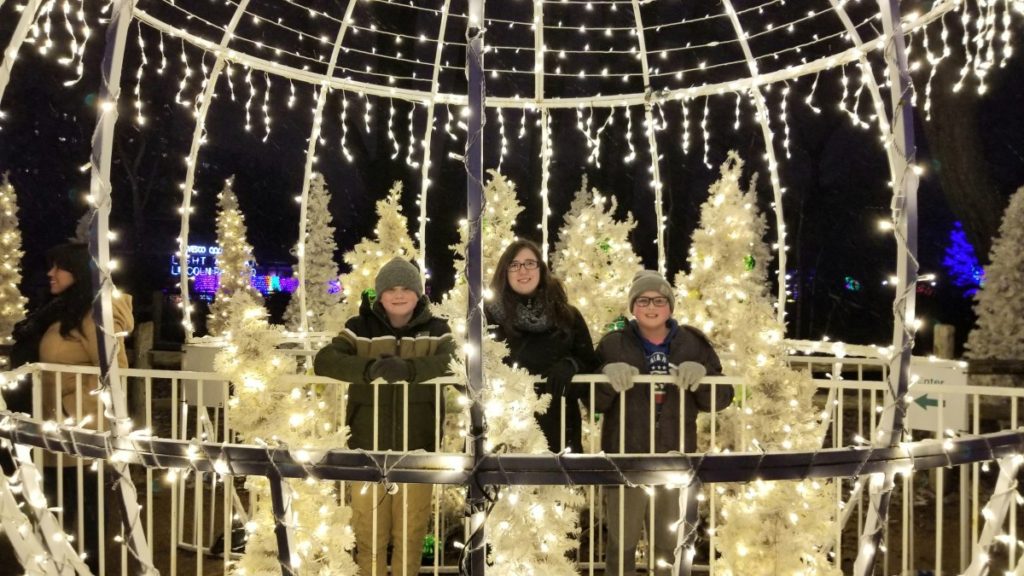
425,343
688,345
557,355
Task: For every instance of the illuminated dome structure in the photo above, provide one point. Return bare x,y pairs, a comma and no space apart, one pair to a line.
459,71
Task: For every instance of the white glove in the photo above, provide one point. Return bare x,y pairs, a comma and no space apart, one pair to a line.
688,375
620,375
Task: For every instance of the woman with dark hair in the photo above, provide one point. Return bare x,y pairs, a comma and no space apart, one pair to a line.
545,335
62,331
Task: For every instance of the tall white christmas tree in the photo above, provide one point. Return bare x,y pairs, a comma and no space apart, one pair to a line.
530,529
767,527
235,261
265,409
366,258
595,259
12,303
321,269
999,303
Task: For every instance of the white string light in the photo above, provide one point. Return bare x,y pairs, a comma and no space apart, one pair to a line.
409,160
397,149
266,107
785,122
140,118
248,103
185,73
344,127
629,136
705,133
684,104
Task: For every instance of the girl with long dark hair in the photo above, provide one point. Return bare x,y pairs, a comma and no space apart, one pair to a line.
545,335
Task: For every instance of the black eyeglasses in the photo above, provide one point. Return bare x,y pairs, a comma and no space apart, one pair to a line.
515,265
658,301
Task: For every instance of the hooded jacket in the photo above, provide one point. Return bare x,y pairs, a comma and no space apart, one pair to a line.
688,345
427,345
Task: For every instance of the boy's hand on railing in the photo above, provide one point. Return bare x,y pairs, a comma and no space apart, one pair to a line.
391,368
620,375
688,375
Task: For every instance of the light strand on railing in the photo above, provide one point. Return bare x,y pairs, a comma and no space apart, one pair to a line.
522,125
163,55
291,93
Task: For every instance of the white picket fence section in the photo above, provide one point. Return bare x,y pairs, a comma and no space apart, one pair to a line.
936,509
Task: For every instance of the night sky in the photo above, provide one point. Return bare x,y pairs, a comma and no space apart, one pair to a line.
836,177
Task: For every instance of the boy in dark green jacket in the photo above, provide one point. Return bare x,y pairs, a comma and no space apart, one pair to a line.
394,339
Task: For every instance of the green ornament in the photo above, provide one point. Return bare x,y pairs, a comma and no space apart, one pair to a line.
617,324
371,294
605,246
749,262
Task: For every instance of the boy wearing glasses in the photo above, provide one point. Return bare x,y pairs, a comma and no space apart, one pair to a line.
652,343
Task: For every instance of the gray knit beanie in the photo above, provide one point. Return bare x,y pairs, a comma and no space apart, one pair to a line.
399,272
650,280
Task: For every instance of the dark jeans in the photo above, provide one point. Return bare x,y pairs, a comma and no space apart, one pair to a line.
551,421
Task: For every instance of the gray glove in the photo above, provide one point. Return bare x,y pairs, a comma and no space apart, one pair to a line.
391,368
688,375
620,375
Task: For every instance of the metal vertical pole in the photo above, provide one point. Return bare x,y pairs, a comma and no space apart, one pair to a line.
477,501
112,387
904,208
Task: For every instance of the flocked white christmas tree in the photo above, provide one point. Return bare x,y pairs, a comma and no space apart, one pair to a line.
266,410
595,260
530,529
12,303
366,258
321,270
767,527
235,262
999,304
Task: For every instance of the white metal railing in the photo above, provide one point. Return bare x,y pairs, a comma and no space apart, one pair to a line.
188,406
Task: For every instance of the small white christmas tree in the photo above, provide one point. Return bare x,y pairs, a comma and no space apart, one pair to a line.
265,409
595,260
235,261
367,257
321,269
999,303
530,529
767,527
12,303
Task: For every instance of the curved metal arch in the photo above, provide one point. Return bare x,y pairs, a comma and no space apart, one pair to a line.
612,101
307,172
904,208
652,140
428,133
773,165
190,171
113,394
28,15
